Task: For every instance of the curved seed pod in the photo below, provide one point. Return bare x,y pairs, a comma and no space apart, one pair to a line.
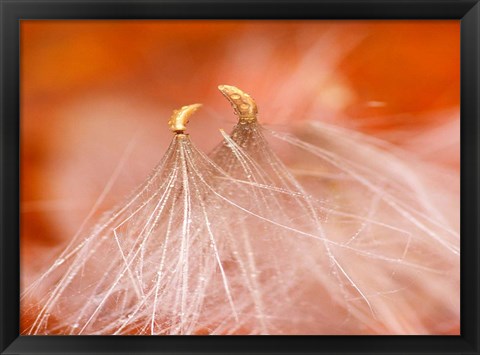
179,119
243,104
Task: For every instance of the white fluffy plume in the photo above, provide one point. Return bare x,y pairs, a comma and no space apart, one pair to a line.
342,236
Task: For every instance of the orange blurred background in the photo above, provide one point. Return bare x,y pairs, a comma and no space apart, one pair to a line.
96,94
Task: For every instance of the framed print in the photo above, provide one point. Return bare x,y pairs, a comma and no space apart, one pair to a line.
239,177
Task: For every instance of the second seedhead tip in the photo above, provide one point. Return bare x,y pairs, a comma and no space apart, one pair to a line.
243,104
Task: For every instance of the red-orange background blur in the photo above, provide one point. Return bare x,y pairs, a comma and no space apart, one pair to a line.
91,88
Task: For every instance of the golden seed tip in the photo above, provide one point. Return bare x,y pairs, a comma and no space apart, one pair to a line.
179,119
243,104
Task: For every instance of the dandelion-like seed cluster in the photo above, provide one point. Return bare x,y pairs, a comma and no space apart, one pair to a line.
351,239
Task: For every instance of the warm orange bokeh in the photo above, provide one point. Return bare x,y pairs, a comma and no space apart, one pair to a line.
87,86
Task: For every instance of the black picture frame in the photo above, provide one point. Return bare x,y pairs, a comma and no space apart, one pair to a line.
12,11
